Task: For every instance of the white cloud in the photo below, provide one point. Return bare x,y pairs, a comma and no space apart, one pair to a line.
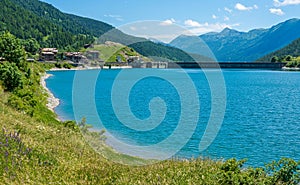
276,11
286,2
242,7
226,18
133,28
214,16
168,22
255,6
117,17
191,23
228,10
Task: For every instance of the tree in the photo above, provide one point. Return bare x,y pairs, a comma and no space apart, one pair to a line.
274,59
11,49
31,46
10,76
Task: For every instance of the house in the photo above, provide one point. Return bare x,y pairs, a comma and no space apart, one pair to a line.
133,59
74,56
93,55
48,54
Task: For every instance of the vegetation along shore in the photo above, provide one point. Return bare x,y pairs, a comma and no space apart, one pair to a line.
36,148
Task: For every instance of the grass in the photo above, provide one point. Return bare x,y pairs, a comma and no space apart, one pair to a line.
110,51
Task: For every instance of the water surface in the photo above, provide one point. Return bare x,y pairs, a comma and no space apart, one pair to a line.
261,121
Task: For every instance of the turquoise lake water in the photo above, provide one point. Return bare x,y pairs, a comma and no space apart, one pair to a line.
261,121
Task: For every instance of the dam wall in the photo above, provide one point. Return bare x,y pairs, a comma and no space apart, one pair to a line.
232,65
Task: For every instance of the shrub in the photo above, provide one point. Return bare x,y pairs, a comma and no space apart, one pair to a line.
10,76
284,171
11,49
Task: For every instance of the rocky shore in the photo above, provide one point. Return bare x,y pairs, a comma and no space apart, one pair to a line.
52,101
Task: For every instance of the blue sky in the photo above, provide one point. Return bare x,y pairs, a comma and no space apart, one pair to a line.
197,16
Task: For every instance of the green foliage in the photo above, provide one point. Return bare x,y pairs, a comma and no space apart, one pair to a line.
91,135
284,171
152,50
293,64
24,100
11,49
288,58
71,124
274,59
29,19
31,45
231,173
10,76
65,65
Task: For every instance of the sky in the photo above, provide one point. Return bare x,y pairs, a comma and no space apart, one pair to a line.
197,16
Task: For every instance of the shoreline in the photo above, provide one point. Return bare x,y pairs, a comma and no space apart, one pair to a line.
52,101
290,69
89,68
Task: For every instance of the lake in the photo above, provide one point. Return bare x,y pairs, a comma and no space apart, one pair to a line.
143,107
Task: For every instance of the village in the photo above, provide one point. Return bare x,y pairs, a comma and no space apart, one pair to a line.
90,58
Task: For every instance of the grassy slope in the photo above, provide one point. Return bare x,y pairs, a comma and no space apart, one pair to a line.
110,51
62,156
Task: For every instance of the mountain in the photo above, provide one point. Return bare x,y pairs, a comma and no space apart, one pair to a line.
292,49
232,45
192,44
53,28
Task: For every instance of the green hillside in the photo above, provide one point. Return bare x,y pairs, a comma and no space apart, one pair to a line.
25,25
109,52
292,49
52,28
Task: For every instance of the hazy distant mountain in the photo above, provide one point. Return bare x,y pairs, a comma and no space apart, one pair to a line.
192,44
292,49
232,45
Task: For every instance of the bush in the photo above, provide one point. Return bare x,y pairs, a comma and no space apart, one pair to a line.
24,100
11,49
293,64
10,76
67,65
284,171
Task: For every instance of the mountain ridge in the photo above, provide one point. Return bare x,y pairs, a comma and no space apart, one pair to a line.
233,45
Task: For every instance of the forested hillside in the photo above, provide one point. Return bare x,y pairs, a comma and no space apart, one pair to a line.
52,28
292,49
25,24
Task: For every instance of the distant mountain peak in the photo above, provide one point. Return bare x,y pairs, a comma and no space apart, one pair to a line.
228,31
